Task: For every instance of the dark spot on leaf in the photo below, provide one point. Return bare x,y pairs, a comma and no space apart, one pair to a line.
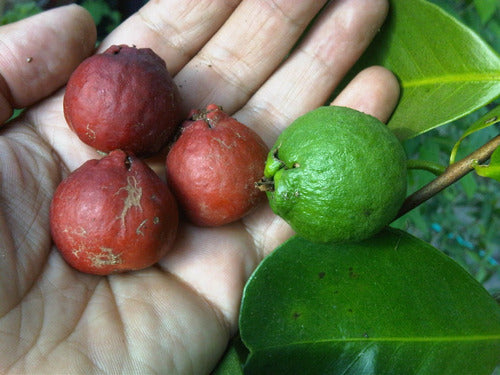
365,335
367,212
349,310
335,292
321,275
352,274
296,315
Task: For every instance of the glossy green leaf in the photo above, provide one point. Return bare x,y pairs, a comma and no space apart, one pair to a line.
489,119
389,305
232,361
491,170
446,71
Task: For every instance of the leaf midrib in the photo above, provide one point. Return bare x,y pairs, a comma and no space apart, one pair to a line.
452,78
390,339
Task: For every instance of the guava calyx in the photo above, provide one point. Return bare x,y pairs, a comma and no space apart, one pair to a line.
273,165
202,113
265,184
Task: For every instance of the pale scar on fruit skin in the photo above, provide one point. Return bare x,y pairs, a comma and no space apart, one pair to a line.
79,231
76,252
134,194
105,258
139,231
90,133
224,144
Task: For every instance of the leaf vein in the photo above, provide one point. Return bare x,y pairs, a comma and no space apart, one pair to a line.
452,78
370,340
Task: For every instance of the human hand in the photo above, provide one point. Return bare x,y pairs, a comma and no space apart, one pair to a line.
177,316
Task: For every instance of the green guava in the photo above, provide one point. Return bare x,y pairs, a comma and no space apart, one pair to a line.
336,175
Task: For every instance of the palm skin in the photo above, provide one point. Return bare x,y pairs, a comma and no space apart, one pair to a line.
177,316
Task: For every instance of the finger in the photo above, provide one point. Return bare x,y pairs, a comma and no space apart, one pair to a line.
309,76
244,52
267,229
374,91
175,30
38,54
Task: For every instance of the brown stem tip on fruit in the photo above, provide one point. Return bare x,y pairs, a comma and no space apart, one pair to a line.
265,184
201,114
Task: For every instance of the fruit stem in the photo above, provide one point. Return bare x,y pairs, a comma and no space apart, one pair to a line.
452,174
429,166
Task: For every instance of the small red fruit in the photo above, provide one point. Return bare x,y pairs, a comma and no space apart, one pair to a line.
113,215
123,98
213,166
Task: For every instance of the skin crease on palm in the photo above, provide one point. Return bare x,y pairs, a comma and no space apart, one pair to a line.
177,316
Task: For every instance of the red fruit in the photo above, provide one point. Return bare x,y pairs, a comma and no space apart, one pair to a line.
113,215
123,98
213,166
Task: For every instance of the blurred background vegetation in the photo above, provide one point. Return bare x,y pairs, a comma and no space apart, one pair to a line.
463,220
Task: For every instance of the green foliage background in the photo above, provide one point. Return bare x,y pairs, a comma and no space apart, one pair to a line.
102,11
464,219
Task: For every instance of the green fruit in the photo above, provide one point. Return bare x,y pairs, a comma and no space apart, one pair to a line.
335,175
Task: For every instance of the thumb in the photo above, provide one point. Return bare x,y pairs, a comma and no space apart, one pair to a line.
38,54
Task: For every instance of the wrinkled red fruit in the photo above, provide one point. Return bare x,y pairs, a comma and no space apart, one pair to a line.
213,166
113,215
123,98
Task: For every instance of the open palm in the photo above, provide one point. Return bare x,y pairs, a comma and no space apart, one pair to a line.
177,316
